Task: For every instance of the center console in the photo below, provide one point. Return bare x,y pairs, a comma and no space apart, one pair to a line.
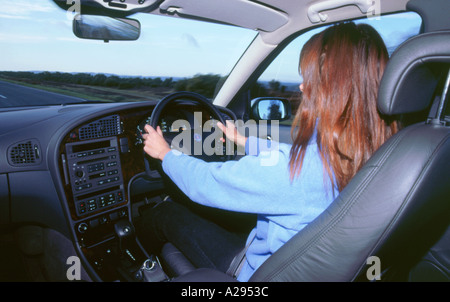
96,162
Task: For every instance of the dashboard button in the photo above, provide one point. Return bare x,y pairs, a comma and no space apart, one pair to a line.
83,227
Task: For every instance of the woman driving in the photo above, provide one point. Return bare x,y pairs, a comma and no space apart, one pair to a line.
336,129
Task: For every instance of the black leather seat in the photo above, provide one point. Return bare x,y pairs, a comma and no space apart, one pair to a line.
174,261
398,205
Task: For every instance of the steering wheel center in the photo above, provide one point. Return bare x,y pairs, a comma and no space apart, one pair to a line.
196,135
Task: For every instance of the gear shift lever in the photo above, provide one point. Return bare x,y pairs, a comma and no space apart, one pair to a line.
125,234
128,250
150,270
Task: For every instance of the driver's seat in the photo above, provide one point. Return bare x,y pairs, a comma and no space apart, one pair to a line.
398,205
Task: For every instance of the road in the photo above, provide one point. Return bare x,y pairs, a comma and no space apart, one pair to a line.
14,95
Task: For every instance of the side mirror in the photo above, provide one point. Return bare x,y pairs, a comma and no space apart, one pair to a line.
106,28
270,108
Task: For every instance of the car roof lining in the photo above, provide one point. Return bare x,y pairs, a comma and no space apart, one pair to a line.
273,19
287,17
262,18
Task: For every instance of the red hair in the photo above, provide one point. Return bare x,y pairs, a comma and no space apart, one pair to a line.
341,68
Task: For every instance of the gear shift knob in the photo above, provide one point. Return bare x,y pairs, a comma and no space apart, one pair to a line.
123,228
125,232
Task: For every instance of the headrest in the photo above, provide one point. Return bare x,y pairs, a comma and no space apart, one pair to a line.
413,72
434,13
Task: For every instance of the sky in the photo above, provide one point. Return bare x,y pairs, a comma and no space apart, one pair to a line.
36,35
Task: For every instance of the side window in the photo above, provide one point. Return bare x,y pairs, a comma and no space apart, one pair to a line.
282,77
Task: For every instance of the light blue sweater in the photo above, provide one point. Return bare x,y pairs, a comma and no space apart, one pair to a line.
258,183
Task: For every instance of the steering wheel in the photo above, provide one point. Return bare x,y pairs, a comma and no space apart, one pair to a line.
195,137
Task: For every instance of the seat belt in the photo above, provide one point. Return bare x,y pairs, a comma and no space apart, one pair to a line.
239,260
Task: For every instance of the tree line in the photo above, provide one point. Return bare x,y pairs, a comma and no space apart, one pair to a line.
202,83
90,79
205,84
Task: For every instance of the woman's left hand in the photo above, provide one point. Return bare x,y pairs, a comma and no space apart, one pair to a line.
154,143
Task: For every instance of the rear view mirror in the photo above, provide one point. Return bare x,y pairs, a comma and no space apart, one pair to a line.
270,109
106,28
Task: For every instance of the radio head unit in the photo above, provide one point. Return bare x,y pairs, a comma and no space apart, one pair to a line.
95,174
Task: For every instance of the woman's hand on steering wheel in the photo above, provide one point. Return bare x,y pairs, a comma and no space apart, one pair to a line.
232,134
154,143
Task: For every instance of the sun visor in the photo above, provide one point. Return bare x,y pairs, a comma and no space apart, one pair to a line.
236,12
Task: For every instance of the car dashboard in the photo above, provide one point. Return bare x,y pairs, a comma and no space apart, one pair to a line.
72,168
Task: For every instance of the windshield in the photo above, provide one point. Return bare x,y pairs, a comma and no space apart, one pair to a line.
40,51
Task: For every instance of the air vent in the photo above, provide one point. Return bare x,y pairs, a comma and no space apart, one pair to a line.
105,127
24,153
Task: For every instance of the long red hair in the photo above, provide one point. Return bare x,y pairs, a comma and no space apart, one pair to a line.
341,68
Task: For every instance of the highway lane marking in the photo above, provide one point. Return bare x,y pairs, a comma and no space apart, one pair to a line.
2,96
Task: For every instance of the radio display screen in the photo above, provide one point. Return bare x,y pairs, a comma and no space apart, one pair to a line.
91,146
